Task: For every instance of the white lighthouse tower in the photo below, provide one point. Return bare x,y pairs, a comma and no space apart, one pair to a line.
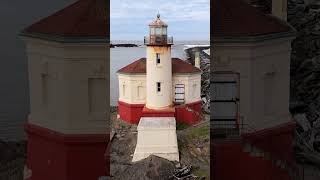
159,66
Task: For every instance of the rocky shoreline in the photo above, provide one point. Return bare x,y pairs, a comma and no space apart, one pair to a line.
123,45
205,76
12,159
304,16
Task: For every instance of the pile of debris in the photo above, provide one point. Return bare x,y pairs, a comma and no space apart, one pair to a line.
185,174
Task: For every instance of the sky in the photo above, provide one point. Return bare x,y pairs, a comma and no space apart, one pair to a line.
187,20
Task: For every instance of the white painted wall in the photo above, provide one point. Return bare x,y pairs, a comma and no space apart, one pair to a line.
264,69
130,83
192,84
132,88
159,73
68,86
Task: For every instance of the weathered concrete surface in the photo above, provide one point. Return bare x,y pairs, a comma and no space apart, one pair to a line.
157,136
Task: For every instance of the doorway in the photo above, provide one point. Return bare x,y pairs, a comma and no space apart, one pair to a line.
179,97
224,105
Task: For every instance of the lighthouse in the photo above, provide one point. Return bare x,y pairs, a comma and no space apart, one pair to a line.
157,91
159,85
159,66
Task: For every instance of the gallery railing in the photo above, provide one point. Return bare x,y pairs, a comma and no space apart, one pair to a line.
158,40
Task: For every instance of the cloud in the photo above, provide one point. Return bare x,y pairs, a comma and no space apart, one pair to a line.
135,15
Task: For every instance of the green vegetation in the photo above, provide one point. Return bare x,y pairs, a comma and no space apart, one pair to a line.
200,133
181,126
201,173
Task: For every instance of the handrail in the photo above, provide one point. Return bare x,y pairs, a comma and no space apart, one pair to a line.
158,40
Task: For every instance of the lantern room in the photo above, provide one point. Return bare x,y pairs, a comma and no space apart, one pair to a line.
158,33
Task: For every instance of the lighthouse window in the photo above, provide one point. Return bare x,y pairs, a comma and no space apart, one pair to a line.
158,58
164,31
152,30
158,31
158,87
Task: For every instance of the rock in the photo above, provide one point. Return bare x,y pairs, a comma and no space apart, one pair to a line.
205,76
150,168
123,45
302,121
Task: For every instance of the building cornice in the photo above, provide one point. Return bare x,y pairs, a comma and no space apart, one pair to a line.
254,39
65,39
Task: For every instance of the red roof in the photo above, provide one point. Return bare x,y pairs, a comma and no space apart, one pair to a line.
178,66
84,18
235,18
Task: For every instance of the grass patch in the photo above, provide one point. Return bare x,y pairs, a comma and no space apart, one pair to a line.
181,126
200,132
201,173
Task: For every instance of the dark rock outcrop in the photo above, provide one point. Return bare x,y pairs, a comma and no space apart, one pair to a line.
123,45
304,16
205,76
151,168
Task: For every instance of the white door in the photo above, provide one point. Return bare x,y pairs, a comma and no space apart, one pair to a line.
179,94
225,100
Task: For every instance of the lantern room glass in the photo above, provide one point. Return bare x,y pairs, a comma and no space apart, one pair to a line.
158,30
164,31
152,31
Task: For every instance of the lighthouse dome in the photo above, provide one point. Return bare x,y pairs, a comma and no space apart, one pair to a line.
158,22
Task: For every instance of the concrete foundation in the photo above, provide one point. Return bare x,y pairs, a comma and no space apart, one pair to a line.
157,136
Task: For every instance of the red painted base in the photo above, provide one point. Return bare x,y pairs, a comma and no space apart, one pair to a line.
277,140
168,112
52,155
231,157
130,112
188,113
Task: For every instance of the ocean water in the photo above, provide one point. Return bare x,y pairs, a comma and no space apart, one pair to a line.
122,56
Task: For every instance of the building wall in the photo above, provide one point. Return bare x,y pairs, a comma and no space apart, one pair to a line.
132,87
279,9
230,157
192,84
159,73
264,79
68,89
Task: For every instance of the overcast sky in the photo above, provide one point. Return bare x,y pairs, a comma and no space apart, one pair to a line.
187,20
